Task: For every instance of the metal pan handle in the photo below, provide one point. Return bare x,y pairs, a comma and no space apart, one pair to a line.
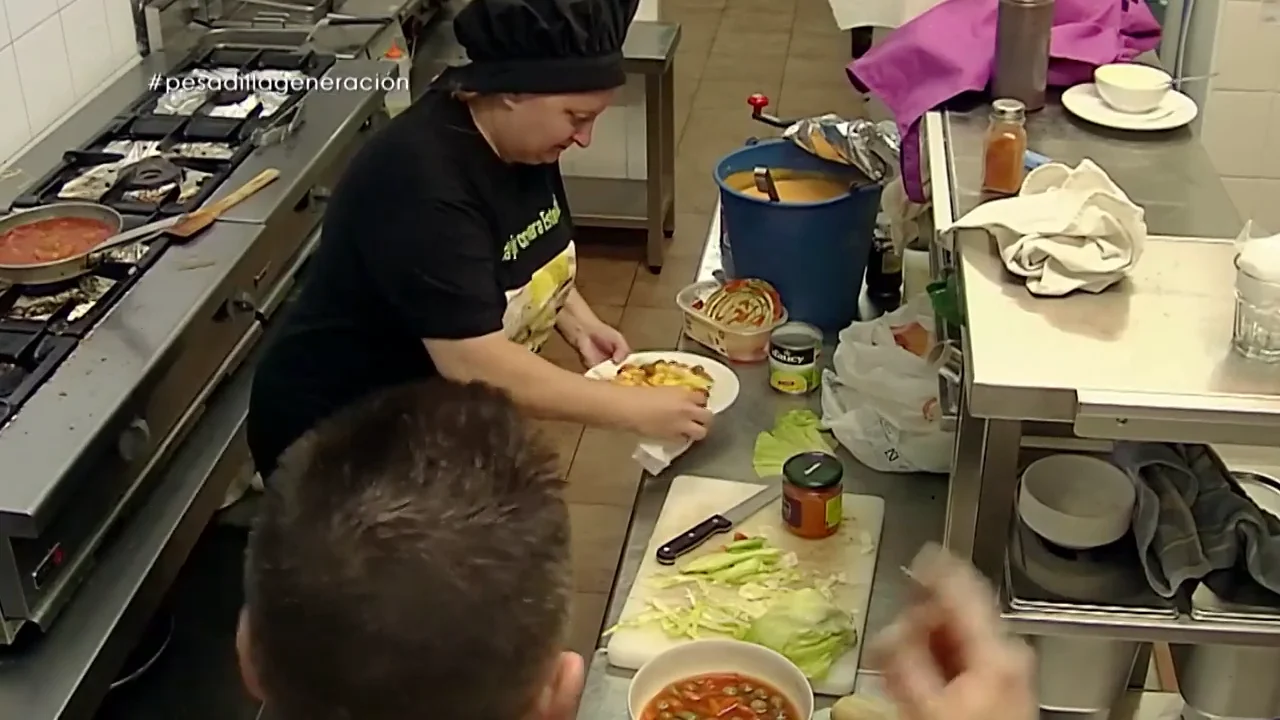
142,232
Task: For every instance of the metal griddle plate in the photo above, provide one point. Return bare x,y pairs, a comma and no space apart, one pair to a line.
1226,595
1109,579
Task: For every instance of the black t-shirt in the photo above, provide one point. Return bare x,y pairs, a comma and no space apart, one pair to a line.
429,235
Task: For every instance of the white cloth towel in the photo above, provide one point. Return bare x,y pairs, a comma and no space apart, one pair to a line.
654,455
1068,229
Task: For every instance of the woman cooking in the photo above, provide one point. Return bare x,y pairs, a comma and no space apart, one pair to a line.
448,244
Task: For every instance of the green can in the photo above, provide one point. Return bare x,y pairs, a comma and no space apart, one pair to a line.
794,349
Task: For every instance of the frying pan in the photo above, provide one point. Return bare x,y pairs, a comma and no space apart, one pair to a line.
81,263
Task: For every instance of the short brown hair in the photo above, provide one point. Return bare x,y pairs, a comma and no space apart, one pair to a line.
411,557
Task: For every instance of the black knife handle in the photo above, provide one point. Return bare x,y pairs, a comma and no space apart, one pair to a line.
692,538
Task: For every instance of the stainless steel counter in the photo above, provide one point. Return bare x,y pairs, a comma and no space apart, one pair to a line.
1149,359
914,509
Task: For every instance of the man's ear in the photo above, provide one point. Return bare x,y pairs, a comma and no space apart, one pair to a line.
560,698
248,671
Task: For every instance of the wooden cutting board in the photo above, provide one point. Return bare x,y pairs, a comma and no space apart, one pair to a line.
693,499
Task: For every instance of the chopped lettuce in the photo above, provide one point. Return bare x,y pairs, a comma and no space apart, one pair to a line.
807,628
794,432
753,591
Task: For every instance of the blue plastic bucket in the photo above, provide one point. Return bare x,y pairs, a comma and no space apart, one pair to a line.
815,254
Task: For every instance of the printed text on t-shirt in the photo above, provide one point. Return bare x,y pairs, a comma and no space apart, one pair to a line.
546,220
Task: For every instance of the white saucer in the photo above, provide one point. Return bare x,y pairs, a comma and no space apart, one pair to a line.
1084,102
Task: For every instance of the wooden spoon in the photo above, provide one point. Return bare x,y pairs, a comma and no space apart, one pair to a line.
196,221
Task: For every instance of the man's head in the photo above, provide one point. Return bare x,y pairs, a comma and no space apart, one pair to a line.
537,128
411,561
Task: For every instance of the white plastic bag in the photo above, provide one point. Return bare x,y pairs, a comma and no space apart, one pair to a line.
881,399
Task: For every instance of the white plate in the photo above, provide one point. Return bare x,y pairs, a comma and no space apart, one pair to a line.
1175,110
724,388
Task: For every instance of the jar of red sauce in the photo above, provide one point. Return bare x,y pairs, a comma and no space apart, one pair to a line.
812,491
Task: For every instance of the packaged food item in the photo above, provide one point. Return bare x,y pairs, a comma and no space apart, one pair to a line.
1005,148
733,318
794,349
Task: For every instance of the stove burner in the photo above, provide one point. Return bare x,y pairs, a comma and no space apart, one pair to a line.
149,173
230,97
11,375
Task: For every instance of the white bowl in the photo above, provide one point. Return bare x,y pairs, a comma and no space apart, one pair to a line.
1076,501
701,657
1132,88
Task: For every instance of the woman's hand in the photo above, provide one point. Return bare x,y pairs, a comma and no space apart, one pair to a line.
666,413
947,658
594,339
599,342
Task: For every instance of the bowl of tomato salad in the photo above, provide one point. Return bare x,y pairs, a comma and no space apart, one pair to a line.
720,680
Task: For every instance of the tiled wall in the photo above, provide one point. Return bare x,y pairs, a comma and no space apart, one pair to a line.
53,55
1241,129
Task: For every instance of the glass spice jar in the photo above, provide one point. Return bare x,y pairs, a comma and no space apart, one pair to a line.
1005,147
812,494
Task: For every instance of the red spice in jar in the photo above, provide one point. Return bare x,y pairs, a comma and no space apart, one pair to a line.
1005,148
812,494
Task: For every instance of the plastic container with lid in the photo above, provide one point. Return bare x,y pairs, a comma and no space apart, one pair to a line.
736,344
812,495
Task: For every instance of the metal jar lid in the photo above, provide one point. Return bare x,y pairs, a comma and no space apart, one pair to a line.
782,335
813,470
1008,109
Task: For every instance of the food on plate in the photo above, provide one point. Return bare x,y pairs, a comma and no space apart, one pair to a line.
742,304
664,373
750,590
52,239
720,696
914,338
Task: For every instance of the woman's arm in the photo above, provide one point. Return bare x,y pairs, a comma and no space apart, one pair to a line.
536,384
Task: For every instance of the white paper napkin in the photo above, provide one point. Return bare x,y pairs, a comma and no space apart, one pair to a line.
654,455
1068,229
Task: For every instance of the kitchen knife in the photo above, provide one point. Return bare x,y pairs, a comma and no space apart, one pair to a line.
721,522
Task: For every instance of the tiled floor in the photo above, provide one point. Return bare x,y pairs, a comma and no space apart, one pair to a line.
791,51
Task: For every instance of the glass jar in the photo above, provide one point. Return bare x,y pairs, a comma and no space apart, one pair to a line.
812,494
1256,334
1005,147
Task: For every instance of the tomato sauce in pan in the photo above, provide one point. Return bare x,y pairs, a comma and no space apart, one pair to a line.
52,239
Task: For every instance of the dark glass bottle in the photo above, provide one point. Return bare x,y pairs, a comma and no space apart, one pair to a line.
884,270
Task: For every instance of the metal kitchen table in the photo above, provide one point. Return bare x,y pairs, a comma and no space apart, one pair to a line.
1080,372
647,204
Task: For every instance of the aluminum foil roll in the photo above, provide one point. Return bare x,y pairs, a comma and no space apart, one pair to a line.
873,148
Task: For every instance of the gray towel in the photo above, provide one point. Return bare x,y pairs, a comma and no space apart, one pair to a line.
1191,517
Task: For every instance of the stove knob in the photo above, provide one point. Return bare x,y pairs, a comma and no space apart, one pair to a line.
134,440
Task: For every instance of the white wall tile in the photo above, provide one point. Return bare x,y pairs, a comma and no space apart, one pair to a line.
1245,193
1267,213
82,24
124,39
4,27
15,130
45,73
25,15
1271,148
1235,127
1248,54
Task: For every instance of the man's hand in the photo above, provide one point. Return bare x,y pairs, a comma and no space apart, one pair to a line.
947,658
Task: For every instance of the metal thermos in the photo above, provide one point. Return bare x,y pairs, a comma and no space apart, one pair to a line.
1022,51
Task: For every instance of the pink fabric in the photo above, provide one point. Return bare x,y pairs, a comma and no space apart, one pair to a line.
950,50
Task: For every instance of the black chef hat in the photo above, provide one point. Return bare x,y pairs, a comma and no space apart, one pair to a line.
540,46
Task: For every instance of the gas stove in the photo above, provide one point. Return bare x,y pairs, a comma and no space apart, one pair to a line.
103,377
